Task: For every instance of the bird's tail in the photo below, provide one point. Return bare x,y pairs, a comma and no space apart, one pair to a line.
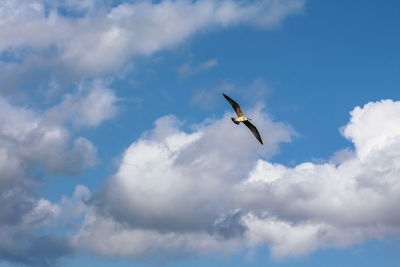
236,122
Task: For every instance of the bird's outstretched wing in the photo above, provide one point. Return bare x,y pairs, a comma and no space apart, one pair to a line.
254,130
235,105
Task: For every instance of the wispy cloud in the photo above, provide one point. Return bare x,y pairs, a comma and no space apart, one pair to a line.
102,38
254,92
186,69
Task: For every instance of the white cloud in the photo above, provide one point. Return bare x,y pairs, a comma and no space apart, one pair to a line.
284,238
31,139
180,183
373,127
42,212
109,237
73,207
28,141
208,190
90,106
32,146
102,38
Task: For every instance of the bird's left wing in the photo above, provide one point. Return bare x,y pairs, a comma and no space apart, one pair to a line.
254,130
235,105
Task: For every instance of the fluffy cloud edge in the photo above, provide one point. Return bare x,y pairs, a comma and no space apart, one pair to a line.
205,204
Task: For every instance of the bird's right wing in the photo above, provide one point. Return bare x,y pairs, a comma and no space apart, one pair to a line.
235,105
254,130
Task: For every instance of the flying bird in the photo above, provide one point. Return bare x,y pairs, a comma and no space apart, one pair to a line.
242,118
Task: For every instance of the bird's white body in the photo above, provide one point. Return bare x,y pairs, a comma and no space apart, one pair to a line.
241,119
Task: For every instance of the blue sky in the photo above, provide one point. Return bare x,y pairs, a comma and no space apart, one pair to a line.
117,148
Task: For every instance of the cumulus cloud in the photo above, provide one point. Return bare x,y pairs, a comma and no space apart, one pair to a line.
23,213
82,38
19,243
29,138
90,106
32,145
191,165
177,185
209,190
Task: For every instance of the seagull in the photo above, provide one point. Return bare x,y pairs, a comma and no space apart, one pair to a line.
242,118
